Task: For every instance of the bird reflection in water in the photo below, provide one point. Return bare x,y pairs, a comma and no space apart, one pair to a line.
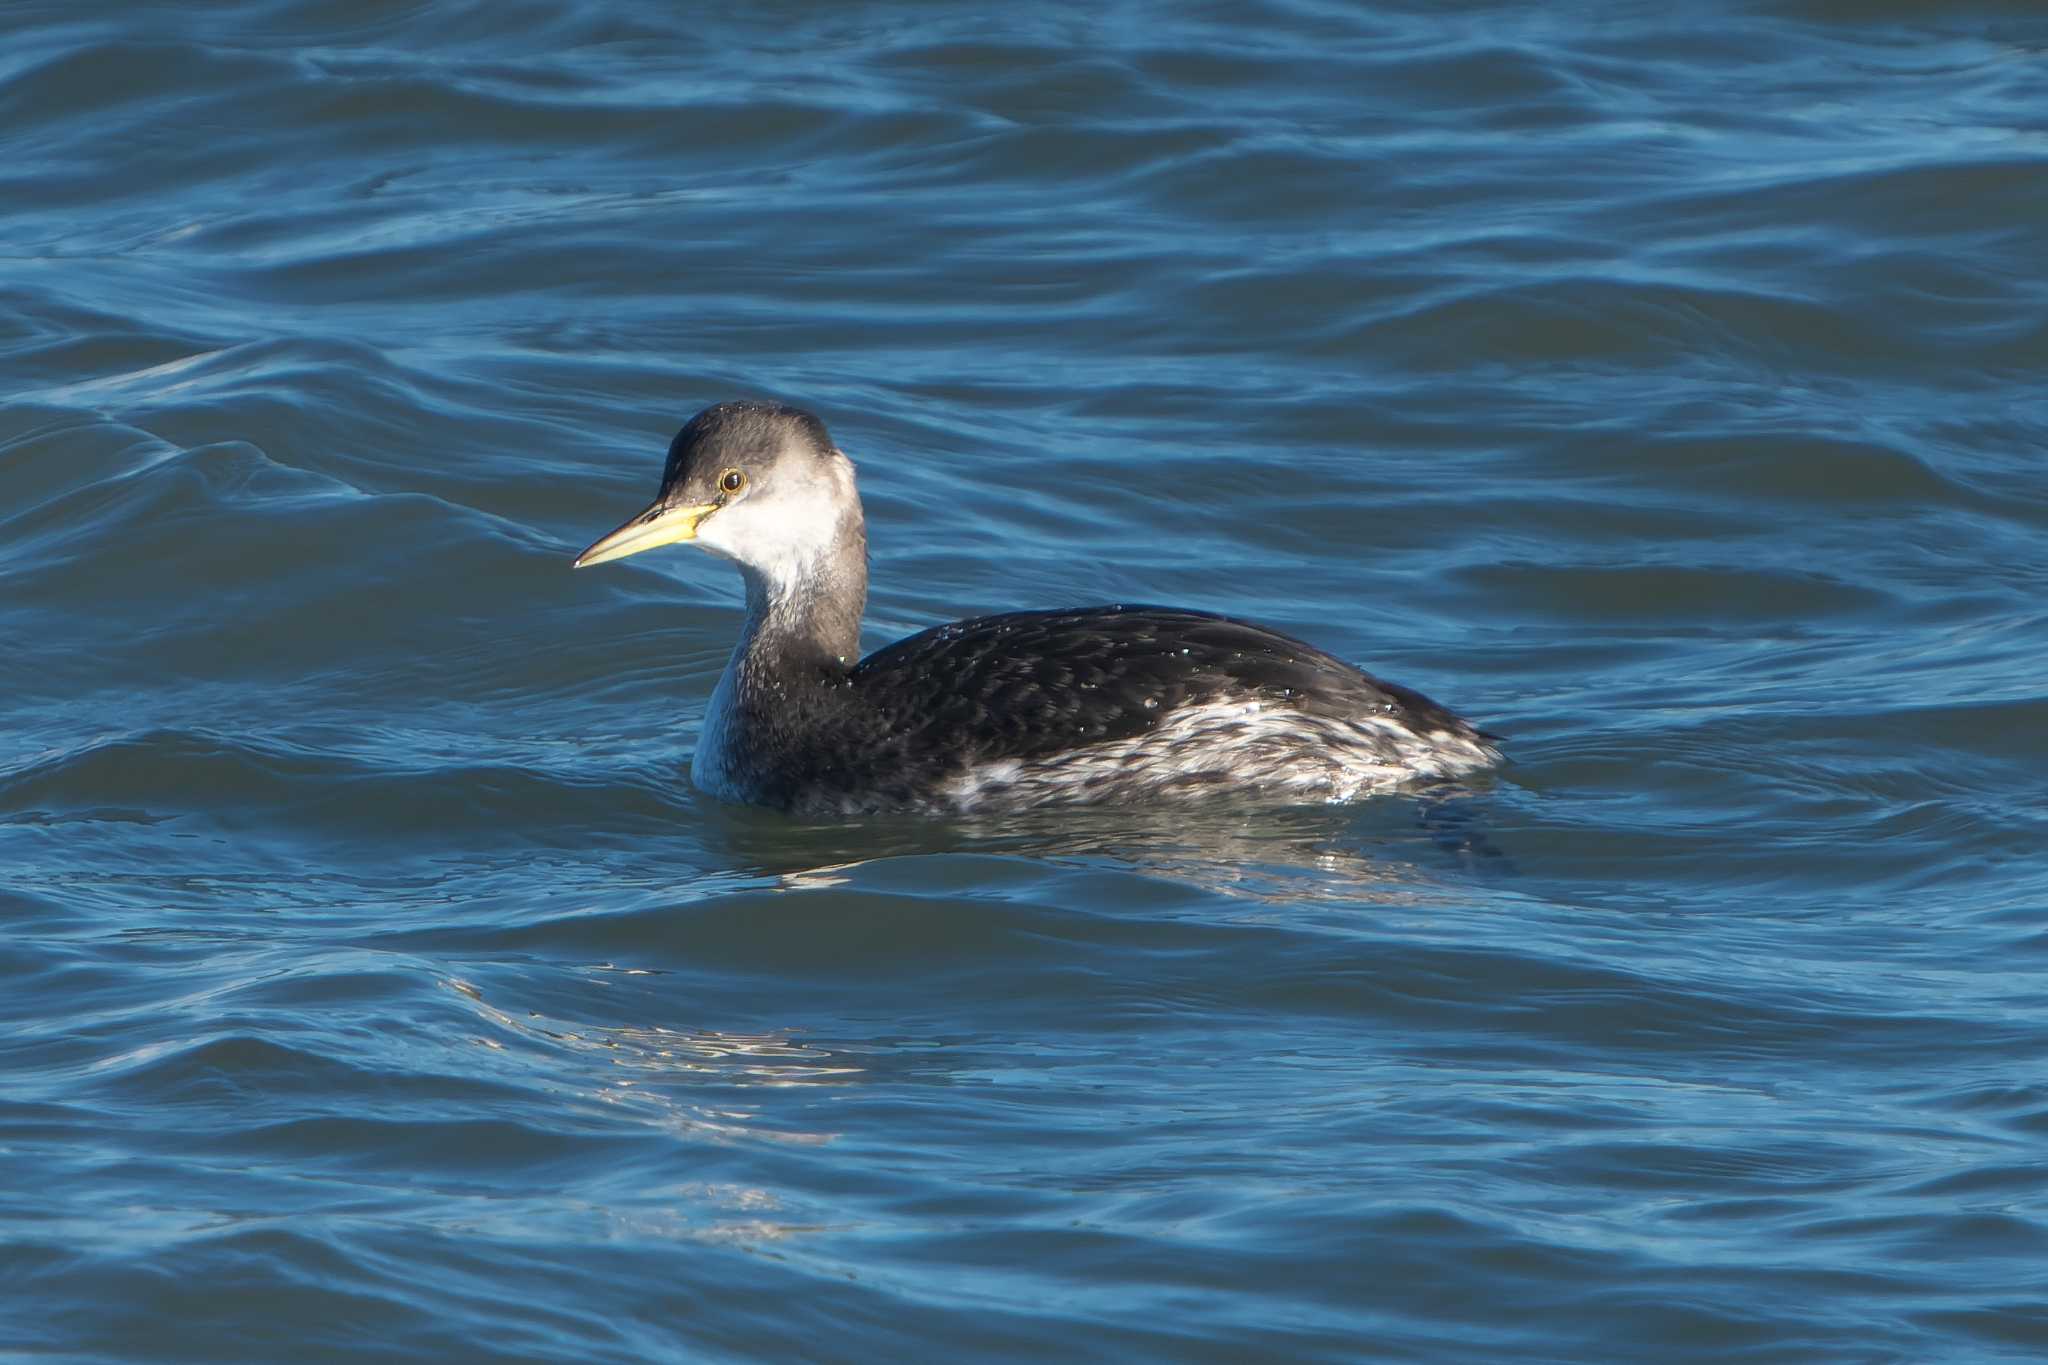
1396,850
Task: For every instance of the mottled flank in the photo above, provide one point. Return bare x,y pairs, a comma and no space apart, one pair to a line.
1116,704
1245,745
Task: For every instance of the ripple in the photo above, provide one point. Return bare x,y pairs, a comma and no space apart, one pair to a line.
1665,397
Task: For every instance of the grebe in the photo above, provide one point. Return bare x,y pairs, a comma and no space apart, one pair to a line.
1028,708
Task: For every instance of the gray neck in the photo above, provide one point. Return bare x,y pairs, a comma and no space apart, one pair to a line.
805,594
807,611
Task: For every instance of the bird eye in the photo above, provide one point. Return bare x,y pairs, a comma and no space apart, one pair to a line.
732,481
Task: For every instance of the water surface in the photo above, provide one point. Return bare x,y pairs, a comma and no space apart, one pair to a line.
1659,386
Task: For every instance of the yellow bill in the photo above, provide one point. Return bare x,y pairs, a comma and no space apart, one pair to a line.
657,526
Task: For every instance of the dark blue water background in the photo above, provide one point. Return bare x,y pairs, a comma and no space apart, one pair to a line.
1659,385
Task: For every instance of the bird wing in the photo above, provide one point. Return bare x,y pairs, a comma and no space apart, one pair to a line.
1026,684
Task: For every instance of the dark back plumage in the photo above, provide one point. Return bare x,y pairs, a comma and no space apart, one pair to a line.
1033,685
1032,682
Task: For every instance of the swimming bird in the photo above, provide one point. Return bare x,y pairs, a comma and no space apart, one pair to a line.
997,713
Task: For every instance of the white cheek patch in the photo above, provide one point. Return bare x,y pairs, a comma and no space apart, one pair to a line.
781,536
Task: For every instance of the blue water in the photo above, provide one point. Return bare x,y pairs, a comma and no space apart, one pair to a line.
1660,386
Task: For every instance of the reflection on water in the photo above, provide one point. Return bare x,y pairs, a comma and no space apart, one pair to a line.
1380,851
738,1214
655,1069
